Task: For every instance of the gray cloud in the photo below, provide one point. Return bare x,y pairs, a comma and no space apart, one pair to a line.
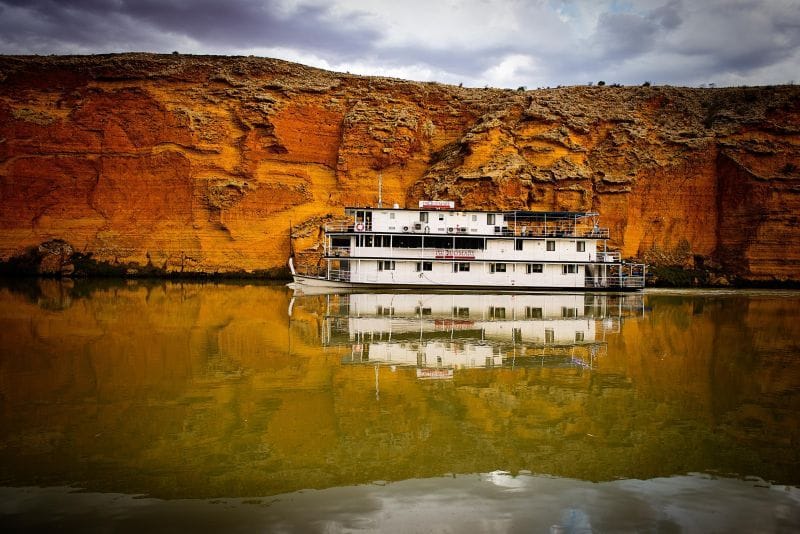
667,16
488,42
239,24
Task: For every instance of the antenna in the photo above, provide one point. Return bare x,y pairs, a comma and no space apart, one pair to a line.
380,190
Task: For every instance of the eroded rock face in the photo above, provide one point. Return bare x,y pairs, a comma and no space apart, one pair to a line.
200,164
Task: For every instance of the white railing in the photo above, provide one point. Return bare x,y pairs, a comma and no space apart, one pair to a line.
615,282
347,228
626,275
339,275
558,230
340,252
609,257
519,230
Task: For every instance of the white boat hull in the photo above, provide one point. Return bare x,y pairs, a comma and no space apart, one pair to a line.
308,284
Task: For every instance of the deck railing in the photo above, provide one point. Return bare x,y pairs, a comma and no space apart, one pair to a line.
339,275
612,282
519,230
626,275
608,256
339,252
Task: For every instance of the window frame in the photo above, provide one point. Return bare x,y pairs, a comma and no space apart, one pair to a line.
460,267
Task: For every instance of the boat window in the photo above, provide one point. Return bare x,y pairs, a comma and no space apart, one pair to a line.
518,244
367,240
460,312
498,267
408,241
422,311
569,312
497,313
391,215
490,219
340,241
461,267
533,313
386,265
578,336
534,268
569,269
423,216
441,216
470,242
438,242
549,335
581,246
551,245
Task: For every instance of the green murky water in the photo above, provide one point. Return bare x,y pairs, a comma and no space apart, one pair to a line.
178,406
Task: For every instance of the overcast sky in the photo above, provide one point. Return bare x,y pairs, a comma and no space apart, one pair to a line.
500,43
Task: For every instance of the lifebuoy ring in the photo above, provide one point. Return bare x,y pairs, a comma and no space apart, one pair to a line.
405,228
450,230
359,227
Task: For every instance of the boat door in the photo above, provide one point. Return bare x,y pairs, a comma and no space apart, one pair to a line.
364,217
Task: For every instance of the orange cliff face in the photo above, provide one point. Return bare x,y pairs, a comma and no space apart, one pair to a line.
200,164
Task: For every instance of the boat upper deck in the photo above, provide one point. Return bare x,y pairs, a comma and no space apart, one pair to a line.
438,220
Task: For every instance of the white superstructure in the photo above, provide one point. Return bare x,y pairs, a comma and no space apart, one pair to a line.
439,246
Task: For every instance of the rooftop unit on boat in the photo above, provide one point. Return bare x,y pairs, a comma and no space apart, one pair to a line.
437,246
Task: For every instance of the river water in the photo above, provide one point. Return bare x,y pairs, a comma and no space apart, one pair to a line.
165,406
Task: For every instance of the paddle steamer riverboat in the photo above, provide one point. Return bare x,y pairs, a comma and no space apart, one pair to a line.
437,246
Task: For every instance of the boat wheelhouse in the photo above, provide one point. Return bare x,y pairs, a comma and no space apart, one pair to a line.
440,247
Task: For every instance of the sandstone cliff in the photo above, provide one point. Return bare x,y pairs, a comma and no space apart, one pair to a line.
199,164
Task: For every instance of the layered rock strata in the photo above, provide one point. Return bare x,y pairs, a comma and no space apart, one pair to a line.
203,164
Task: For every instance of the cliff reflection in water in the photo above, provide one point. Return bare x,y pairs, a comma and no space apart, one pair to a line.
200,390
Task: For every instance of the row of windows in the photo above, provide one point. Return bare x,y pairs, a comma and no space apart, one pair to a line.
418,241
413,241
496,312
500,313
424,216
464,267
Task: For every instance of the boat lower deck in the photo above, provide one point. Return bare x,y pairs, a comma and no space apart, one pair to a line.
305,282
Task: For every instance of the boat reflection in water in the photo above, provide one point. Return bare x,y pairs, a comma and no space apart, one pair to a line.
440,334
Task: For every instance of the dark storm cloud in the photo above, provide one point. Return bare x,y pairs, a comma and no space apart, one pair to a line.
735,41
741,36
506,43
251,23
241,24
667,16
622,35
